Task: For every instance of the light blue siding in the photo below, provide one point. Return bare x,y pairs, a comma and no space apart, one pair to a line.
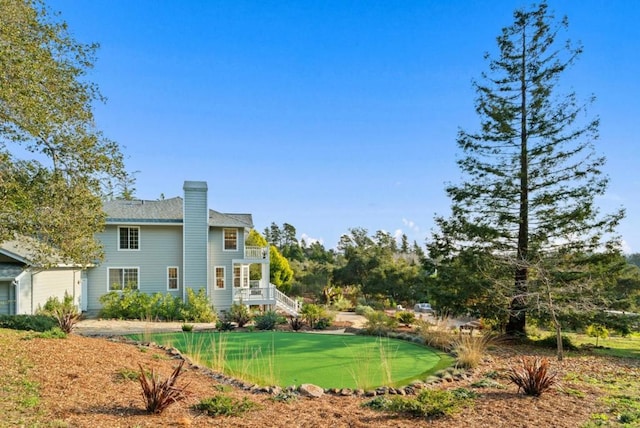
160,247
222,299
195,227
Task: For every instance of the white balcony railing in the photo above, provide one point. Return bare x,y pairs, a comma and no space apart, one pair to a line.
267,295
256,252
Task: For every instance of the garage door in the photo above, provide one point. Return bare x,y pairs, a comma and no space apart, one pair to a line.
6,296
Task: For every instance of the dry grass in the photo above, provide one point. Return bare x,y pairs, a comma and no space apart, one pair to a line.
470,349
436,334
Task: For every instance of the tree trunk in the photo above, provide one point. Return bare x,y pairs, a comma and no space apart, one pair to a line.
518,306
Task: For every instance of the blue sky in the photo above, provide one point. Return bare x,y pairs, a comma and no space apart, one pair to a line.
333,114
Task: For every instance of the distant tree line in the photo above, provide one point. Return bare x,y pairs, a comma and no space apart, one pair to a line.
380,271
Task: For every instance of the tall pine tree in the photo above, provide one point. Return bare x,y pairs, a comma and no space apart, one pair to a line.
531,173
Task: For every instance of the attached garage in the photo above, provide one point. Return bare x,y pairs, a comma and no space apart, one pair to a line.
25,288
8,273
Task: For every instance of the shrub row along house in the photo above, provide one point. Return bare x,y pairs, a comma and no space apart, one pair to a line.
163,246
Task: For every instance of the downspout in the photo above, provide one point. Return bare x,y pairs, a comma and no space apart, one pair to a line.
16,303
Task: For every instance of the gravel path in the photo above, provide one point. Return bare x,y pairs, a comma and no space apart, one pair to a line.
102,327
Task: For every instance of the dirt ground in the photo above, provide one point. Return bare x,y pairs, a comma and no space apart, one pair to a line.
80,384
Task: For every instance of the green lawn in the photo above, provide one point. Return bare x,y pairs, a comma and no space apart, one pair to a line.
326,360
615,346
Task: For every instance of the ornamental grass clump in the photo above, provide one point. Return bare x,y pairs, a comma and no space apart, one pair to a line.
437,335
160,394
533,376
470,349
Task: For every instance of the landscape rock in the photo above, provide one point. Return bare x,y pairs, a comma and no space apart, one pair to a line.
311,390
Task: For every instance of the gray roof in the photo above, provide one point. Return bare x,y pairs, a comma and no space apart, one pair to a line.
166,211
18,249
8,271
230,220
27,250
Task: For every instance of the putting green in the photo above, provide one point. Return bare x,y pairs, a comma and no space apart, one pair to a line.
326,360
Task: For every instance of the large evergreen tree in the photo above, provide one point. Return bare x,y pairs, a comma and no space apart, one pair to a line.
531,171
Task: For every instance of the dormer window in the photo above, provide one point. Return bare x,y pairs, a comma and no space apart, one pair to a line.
128,238
230,239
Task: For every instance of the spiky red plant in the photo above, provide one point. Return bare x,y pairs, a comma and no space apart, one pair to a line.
160,394
533,376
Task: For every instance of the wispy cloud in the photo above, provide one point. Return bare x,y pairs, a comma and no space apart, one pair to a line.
411,225
309,240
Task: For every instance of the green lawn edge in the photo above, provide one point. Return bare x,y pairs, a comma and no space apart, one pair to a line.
329,360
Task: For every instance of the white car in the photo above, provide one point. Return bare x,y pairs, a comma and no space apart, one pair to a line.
423,307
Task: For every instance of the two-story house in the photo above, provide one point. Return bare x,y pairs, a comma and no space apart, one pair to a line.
170,245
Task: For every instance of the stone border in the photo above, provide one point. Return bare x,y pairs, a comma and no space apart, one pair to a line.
450,374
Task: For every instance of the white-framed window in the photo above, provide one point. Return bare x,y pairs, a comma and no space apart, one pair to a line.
172,278
230,239
219,277
128,238
121,278
236,276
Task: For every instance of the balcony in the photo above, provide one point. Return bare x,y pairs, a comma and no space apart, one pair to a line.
256,253
269,295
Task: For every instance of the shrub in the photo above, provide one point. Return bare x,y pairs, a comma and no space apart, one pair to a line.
285,397
38,323
341,304
533,376
311,313
378,323
429,403
551,342
598,331
198,308
266,320
239,314
363,309
406,317
127,304
323,323
166,307
224,405
187,327
55,333
296,323
470,349
224,325
157,394
65,312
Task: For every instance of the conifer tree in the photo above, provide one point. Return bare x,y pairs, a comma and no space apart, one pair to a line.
531,172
